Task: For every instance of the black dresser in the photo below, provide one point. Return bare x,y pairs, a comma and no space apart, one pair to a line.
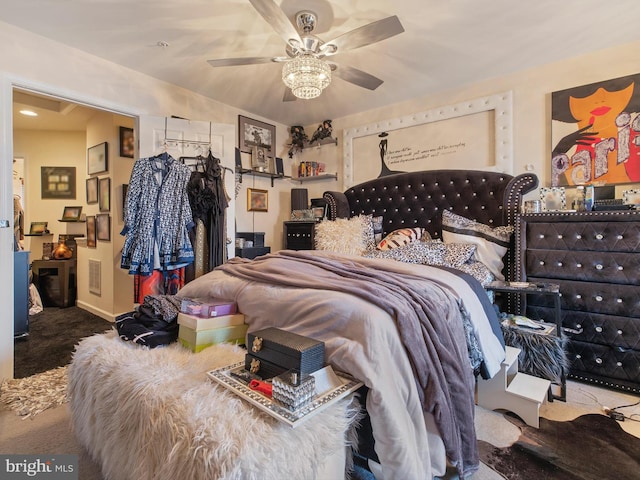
299,235
595,258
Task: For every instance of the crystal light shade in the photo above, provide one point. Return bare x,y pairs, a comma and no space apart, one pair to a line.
306,76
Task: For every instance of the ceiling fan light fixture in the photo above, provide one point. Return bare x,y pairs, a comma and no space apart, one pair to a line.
306,76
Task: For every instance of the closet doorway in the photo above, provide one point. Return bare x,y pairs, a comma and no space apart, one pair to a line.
58,138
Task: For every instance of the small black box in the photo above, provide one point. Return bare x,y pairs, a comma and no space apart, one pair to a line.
256,237
287,350
262,368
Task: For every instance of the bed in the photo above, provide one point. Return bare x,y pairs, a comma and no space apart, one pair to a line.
406,329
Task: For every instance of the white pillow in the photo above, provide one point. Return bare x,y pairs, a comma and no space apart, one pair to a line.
491,243
350,236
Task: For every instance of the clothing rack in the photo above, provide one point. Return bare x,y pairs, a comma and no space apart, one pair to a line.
189,143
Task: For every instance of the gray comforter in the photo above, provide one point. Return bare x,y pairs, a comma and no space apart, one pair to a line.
380,320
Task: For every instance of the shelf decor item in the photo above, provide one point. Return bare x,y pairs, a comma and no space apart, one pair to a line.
553,199
71,214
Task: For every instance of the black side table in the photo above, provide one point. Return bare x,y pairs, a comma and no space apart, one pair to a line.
548,289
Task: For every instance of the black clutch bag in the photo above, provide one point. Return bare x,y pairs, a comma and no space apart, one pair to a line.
286,350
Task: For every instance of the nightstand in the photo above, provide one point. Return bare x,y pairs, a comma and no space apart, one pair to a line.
544,289
299,235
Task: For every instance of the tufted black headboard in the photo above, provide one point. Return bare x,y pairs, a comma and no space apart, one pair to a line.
417,199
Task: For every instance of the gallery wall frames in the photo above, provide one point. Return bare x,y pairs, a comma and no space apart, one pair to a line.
98,158
104,194
103,227
257,200
58,182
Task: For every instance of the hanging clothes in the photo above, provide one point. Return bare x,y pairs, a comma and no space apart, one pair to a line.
208,202
157,217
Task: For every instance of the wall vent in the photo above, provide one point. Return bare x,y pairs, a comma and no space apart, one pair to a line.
94,277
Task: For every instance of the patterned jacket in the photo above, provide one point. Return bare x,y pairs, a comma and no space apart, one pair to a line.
157,216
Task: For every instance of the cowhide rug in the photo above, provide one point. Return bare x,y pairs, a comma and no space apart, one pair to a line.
590,447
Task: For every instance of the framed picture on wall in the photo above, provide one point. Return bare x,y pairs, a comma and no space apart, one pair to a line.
254,133
104,194
58,182
97,159
103,227
126,142
257,200
91,231
92,190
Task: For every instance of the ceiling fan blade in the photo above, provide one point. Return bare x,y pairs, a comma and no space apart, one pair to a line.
355,76
288,95
231,62
365,35
278,20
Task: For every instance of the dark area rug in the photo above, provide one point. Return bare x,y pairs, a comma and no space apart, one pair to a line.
53,335
591,447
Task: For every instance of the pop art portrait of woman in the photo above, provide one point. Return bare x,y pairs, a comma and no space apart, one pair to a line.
596,133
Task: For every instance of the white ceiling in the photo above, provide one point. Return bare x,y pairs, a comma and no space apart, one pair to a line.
446,44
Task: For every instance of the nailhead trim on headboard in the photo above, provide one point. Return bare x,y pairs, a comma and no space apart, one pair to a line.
418,198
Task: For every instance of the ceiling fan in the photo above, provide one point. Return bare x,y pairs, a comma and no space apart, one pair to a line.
306,72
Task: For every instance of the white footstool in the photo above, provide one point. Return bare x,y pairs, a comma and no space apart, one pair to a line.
153,414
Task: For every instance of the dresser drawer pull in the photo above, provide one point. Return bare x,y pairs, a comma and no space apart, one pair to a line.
559,264
559,236
578,296
578,265
578,356
599,267
541,262
598,298
599,236
620,267
599,361
618,300
578,236
619,364
599,329
579,326
619,237
619,332
541,235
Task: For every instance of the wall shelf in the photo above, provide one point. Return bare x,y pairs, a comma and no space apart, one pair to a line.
311,178
255,173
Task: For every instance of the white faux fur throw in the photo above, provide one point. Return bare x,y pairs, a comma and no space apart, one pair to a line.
154,414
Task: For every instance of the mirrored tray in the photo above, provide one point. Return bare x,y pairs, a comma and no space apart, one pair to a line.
292,418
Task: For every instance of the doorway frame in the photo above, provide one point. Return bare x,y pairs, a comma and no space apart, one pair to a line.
7,85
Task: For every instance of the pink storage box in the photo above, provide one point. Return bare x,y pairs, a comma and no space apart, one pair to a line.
208,309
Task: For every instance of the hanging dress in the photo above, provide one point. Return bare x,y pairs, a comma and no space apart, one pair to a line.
208,202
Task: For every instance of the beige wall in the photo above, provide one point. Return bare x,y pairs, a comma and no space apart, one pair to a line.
531,102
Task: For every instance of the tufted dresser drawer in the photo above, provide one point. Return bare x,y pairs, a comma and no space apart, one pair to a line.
595,258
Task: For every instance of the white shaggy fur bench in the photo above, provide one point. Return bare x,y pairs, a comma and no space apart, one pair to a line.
153,414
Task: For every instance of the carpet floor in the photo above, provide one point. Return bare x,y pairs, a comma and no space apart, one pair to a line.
53,335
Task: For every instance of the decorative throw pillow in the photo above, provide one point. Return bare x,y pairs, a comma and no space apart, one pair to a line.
424,253
400,237
377,229
491,243
345,235
457,254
